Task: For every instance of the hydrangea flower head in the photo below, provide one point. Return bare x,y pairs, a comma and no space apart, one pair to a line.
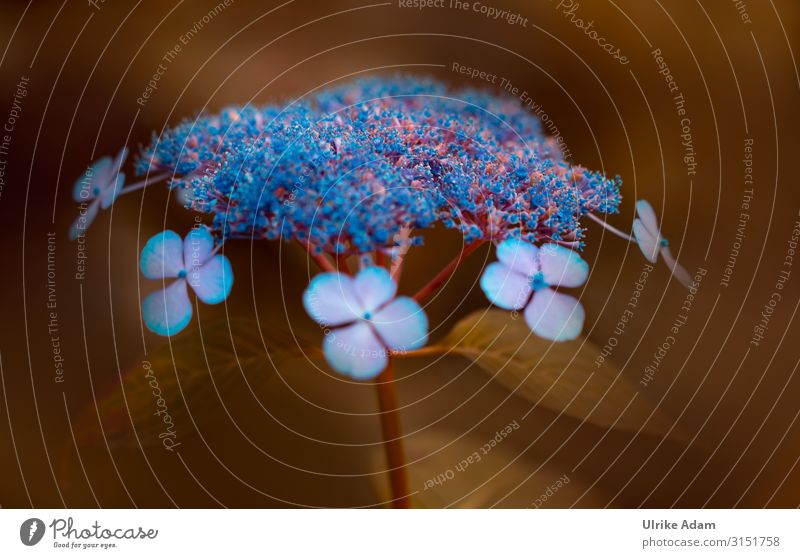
193,263
524,277
367,321
350,167
99,186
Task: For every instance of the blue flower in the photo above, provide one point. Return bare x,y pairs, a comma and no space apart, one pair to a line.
523,279
368,322
651,243
193,263
98,187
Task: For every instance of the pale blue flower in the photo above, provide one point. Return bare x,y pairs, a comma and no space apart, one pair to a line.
194,263
98,187
523,279
368,322
648,237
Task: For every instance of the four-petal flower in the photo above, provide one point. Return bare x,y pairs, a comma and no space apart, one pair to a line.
648,237
369,322
99,186
193,263
522,279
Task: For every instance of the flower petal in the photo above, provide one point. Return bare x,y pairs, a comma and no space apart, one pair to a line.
197,247
374,287
402,324
677,269
83,220
119,160
562,267
519,255
93,178
504,287
168,311
330,299
110,194
555,316
212,281
648,216
162,256
356,351
648,244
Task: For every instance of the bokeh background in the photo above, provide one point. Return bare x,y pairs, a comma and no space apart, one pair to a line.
299,436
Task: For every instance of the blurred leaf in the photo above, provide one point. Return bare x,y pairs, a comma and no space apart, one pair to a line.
439,475
561,376
197,367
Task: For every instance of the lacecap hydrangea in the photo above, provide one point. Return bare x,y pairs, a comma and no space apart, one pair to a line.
362,169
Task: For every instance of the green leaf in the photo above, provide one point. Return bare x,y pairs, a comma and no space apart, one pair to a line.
202,365
560,376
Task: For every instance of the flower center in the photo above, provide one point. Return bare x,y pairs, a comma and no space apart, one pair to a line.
182,274
367,316
538,282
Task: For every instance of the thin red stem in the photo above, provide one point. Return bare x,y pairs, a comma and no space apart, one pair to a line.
392,437
323,262
446,272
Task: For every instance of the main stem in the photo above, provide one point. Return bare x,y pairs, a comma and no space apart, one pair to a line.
392,437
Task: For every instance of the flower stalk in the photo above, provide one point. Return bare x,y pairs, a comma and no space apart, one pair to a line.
392,437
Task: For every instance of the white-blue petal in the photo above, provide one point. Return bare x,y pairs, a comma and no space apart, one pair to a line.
355,351
648,216
111,192
504,287
562,267
197,247
330,299
648,244
168,311
212,282
402,324
162,256
374,287
92,180
519,255
555,316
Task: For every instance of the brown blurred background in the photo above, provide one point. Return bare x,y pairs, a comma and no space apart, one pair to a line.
307,438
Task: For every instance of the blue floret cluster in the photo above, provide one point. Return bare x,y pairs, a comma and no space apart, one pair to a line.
360,167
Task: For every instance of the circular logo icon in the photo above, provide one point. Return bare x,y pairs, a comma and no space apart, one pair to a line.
31,531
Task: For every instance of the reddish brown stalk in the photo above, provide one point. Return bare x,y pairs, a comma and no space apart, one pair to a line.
323,262
341,263
392,437
446,272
